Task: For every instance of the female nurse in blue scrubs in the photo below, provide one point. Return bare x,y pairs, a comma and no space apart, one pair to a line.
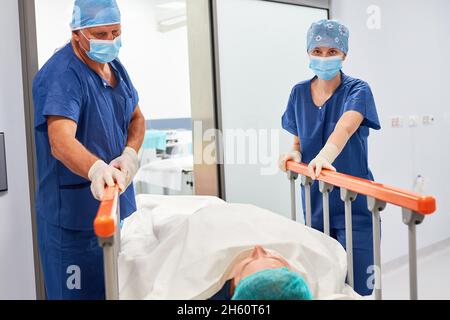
330,117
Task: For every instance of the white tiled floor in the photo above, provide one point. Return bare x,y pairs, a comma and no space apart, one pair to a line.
433,278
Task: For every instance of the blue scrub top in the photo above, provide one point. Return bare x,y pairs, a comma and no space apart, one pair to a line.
67,87
314,126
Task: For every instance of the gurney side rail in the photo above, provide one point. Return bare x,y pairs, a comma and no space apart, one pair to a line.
414,209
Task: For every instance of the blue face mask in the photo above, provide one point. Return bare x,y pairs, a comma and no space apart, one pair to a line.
104,51
326,68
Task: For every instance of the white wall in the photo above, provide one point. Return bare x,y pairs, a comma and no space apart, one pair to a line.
406,63
16,249
262,55
157,62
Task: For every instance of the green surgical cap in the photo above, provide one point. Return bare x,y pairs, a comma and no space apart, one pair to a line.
273,284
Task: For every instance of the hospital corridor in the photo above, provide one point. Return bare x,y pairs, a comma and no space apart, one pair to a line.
197,151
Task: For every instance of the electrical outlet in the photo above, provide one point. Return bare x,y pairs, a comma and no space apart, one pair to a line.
427,119
396,122
413,121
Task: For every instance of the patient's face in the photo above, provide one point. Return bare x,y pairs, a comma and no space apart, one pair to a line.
259,260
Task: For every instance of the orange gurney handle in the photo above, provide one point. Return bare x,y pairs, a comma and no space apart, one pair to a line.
418,203
105,223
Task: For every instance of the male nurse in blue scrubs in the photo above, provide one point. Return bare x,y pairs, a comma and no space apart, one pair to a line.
330,117
88,128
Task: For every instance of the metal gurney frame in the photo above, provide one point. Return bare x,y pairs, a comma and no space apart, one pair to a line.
107,229
414,208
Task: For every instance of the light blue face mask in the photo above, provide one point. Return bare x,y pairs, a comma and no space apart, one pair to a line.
326,68
104,51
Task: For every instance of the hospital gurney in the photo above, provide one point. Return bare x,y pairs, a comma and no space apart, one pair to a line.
106,224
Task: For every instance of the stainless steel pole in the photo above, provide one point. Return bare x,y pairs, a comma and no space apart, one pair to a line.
308,205
412,261
377,253
110,263
307,182
292,176
411,219
348,197
375,206
326,188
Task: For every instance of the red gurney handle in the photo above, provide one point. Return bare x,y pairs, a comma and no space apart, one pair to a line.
418,203
105,223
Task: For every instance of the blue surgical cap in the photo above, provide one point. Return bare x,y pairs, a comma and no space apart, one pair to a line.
94,13
272,284
328,33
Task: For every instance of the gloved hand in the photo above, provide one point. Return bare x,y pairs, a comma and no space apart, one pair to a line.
102,175
293,155
323,160
128,163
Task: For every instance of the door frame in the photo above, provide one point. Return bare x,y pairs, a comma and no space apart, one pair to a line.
30,66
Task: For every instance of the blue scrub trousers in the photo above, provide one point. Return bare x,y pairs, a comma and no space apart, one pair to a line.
362,256
72,262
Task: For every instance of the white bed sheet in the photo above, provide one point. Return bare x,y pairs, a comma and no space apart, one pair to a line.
182,248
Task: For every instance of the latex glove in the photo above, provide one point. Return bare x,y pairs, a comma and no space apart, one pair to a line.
323,160
102,175
293,155
128,163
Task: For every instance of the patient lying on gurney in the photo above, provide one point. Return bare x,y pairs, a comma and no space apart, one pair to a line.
264,275
183,248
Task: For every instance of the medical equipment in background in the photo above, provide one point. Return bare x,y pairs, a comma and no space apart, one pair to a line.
166,164
175,176
155,139
414,208
3,172
165,144
179,142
